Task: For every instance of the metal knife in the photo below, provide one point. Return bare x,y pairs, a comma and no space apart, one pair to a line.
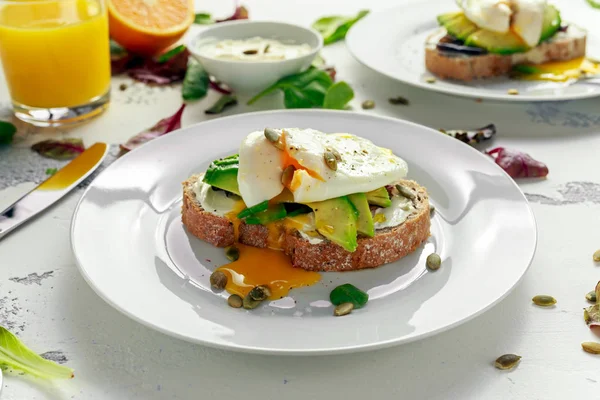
52,189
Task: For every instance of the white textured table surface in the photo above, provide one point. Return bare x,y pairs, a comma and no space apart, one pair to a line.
45,301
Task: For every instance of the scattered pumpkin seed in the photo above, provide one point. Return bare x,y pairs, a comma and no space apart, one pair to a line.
586,316
250,52
507,361
433,262
336,154
343,309
368,105
398,101
591,297
260,293
273,136
591,347
597,256
232,253
543,300
235,301
330,160
218,280
513,91
122,87
287,175
249,303
430,79
405,192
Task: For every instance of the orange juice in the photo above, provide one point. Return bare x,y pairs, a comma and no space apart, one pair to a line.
55,53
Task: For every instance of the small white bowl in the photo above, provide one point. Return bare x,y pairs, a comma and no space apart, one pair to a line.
251,77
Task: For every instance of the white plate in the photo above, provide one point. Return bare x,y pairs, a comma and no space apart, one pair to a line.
132,249
392,43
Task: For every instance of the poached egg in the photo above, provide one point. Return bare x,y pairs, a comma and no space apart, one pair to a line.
362,166
523,17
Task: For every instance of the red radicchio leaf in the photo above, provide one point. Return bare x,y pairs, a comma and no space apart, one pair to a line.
331,71
66,149
219,87
162,127
241,12
162,73
518,164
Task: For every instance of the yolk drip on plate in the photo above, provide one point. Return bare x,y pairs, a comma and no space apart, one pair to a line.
273,268
558,71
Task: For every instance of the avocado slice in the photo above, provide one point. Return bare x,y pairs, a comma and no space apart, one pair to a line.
223,173
551,23
271,214
379,197
364,223
444,18
336,220
460,27
498,43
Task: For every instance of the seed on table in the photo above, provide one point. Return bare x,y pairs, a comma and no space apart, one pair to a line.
122,87
232,253
430,79
433,262
507,361
513,91
591,347
368,105
597,256
235,301
591,297
343,309
218,280
543,300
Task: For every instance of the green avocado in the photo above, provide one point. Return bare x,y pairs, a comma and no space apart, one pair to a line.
364,223
336,220
551,23
379,197
460,27
223,173
273,213
498,43
444,18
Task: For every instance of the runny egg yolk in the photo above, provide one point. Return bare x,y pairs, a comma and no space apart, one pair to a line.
273,268
232,217
560,71
288,159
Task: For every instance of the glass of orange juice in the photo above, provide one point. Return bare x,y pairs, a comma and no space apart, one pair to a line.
56,59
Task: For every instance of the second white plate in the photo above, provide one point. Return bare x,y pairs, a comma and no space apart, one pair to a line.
392,43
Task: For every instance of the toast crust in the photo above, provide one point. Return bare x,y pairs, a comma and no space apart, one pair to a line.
386,246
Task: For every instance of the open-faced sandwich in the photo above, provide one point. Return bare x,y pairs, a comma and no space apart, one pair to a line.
329,202
491,38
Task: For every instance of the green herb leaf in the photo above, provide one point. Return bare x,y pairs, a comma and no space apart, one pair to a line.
334,28
66,149
195,83
338,95
7,131
116,49
51,171
594,3
348,293
203,19
14,354
224,102
170,54
525,69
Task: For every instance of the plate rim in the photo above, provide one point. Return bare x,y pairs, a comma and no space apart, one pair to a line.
448,91
310,351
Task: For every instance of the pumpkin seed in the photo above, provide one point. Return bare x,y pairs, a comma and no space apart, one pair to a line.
343,309
368,105
232,253
586,316
430,79
591,297
405,192
507,361
433,262
330,160
287,175
513,91
543,300
249,303
591,347
274,137
218,280
235,301
260,293
336,154
122,87
398,101
597,256
250,52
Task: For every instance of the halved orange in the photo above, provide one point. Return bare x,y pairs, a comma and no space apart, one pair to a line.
147,27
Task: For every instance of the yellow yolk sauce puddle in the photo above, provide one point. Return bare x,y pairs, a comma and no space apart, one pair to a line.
273,268
557,71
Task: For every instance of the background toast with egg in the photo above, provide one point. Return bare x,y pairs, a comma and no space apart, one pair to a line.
388,245
561,47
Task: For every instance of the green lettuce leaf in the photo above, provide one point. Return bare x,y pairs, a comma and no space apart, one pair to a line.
335,27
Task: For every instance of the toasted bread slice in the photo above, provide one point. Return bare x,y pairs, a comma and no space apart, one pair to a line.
387,245
561,47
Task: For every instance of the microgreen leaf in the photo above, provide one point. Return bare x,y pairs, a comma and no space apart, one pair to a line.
203,19
338,95
220,105
594,3
65,149
518,164
14,354
162,127
170,54
348,293
195,83
162,73
51,171
334,28
7,131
